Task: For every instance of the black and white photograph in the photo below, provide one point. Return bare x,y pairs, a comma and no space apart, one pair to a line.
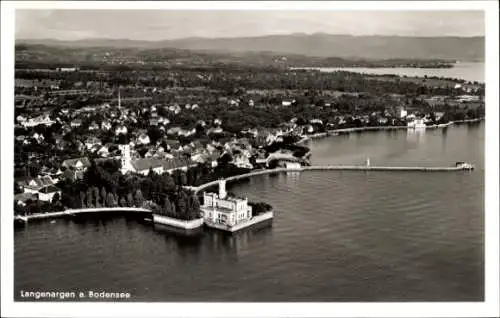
183,158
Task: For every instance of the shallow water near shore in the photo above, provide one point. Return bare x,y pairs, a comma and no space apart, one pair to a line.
336,235
469,71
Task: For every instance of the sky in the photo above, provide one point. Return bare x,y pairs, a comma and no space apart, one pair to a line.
172,24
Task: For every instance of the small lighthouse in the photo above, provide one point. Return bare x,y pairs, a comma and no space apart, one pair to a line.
368,161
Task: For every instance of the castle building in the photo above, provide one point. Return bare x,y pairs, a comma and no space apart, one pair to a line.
219,208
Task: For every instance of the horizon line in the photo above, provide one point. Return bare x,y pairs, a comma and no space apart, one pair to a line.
251,37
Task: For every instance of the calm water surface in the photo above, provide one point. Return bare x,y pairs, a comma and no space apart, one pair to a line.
467,71
337,236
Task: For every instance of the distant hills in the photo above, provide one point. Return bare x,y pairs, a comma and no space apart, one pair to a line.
317,45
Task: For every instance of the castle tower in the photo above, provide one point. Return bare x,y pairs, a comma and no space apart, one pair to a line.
125,158
222,189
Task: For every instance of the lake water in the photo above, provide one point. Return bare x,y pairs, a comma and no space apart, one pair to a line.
336,236
466,71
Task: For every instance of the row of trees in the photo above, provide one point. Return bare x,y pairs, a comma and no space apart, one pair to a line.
104,186
182,206
93,198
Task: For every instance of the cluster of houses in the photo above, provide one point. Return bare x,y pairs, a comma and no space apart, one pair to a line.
168,153
43,187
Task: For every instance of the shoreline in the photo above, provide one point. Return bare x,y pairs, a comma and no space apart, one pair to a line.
329,133
336,132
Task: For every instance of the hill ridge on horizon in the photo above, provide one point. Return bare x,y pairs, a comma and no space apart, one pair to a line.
257,36
316,44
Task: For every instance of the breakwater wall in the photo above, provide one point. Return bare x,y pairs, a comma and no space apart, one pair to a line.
380,168
326,167
254,220
77,211
183,224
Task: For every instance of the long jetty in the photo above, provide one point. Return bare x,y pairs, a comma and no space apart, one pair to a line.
69,212
327,167
26,218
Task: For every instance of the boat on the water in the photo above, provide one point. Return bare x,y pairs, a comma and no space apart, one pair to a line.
464,165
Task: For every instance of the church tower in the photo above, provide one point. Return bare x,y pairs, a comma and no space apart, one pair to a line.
119,99
125,158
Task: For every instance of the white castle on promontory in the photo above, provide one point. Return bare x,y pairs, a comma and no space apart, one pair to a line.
220,209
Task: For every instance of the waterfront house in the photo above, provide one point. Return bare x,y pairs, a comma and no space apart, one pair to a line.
438,115
292,165
382,120
418,123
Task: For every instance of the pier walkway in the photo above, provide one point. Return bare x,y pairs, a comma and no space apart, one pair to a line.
48,215
326,167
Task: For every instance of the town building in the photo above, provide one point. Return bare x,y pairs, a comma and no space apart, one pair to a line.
39,120
34,185
292,165
76,123
418,123
79,164
145,165
47,193
121,130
